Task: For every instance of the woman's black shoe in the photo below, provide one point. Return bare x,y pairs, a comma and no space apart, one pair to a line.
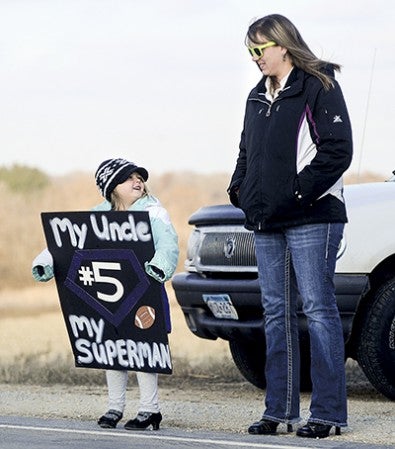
314,430
110,419
263,427
143,420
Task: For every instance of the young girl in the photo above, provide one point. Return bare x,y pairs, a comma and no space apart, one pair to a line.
122,184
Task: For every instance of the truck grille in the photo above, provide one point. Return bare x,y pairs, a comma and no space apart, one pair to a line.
222,249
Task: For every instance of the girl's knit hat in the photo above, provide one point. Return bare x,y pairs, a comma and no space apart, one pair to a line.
116,171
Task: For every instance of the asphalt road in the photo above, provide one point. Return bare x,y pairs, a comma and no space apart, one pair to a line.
38,433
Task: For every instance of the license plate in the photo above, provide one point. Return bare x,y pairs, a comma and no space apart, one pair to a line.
221,306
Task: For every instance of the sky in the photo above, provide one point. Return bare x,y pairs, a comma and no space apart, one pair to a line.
164,83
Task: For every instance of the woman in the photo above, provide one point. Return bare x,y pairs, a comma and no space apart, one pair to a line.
122,184
295,146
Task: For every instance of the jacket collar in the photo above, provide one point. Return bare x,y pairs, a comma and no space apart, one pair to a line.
293,86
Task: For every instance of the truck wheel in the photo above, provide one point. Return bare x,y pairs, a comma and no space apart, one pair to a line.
305,362
249,357
376,346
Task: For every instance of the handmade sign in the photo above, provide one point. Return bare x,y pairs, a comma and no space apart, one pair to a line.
114,312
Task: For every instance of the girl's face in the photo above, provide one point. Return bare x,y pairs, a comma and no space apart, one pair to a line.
130,190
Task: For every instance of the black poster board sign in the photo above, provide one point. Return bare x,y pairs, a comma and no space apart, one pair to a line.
114,312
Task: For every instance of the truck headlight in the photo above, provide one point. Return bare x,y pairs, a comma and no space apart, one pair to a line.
192,248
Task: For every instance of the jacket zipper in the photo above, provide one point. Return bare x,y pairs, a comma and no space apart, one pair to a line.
268,112
270,105
269,109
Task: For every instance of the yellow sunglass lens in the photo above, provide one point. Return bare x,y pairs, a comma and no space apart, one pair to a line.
258,51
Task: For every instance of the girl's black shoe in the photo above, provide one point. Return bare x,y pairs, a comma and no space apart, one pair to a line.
144,420
314,430
110,419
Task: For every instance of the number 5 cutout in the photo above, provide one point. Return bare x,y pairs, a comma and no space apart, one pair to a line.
119,290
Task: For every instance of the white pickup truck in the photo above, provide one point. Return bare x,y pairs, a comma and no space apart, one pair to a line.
219,291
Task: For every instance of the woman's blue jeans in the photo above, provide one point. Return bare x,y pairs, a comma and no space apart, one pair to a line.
302,258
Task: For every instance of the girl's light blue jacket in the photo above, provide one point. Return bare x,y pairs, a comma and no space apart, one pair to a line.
164,235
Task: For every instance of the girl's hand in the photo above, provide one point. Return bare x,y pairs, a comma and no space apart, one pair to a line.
42,273
155,272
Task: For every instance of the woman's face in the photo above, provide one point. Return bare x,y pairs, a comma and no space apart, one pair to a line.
270,61
130,190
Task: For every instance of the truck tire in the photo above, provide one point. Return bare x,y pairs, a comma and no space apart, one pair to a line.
249,357
305,362
376,345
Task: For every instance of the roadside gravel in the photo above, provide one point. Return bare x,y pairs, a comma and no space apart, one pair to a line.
200,403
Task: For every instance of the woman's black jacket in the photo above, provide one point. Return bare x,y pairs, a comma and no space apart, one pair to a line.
293,153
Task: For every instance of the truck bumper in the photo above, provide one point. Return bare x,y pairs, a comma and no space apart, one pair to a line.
245,295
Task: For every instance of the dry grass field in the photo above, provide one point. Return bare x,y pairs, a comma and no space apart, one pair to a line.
31,323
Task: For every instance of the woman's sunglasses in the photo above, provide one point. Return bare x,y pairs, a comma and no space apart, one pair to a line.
259,49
